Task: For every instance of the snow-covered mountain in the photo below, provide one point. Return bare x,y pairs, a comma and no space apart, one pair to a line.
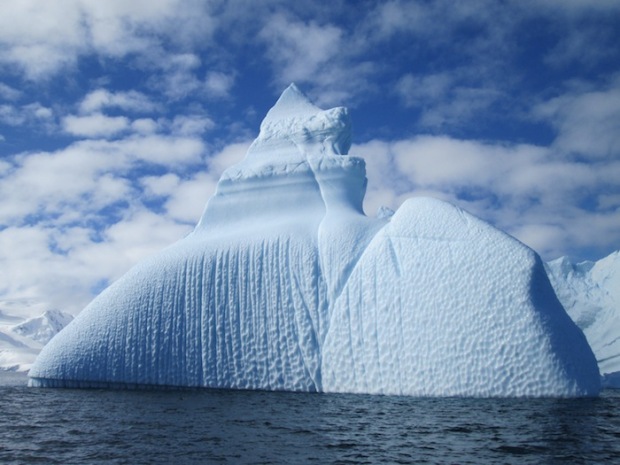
25,327
590,293
286,285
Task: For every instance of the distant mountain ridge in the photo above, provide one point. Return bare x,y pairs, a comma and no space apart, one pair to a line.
25,327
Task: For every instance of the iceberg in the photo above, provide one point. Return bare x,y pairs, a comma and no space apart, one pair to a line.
590,293
285,284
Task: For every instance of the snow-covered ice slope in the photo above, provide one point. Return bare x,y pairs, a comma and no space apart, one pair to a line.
590,293
285,284
469,311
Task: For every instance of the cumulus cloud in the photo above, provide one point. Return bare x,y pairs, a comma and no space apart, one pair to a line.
17,115
88,212
133,101
160,149
587,121
218,84
145,126
191,124
178,78
326,56
9,93
43,38
299,49
95,125
445,99
11,115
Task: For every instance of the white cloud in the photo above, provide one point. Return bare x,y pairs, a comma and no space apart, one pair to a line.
329,58
144,126
74,183
95,125
178,79
43,38
540,235
12,115
395,16
55,183
77,217
176,75
159,149
9,93
29,265
418,90
437,22
100,99
63,266
300,49
587,121
218,84
159,186
445,99
187,201
191,124
38,111
573,7
608,201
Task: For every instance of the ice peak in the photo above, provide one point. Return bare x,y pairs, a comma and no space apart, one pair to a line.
295,119
292,103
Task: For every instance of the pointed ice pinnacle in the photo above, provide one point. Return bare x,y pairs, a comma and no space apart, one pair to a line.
286,285
297,121
292,103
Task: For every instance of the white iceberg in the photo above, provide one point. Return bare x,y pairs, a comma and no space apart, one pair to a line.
286,285
590,293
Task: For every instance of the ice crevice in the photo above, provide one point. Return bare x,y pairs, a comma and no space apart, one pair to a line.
285,284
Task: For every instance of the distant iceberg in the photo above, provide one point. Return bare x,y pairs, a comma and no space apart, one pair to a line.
285,284
590,293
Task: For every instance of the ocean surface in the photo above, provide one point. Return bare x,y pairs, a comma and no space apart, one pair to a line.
58,426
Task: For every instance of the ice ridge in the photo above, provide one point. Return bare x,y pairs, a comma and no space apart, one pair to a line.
285,284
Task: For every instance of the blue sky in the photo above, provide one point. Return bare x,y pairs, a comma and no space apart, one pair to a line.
117,118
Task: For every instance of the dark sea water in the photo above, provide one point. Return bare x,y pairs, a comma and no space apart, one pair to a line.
49,426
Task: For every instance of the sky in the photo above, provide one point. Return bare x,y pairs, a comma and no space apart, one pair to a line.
118,117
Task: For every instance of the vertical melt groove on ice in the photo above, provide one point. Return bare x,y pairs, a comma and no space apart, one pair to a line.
285,284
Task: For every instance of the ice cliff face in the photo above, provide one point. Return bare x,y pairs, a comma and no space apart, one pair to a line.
590,293
286,285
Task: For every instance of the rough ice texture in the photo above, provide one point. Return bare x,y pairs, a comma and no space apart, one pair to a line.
469,312
590,292
286,285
